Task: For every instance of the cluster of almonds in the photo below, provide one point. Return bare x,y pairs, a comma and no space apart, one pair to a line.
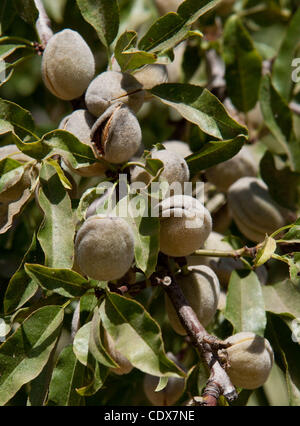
104,245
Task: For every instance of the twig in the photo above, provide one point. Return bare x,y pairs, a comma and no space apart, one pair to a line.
244,251
207,345
43,24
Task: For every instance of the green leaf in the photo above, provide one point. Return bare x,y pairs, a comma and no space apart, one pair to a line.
27,10
88,302
16,195
294,267
213,153
134,58
95,344
24,354
201,107
294,232
127,56
171,28
191,10
21,287
243,65
68,375
12,116
265,252
39,387
8,49
81,343
154,165
288,352
146,248
9,180
8,164
103,16
283,184
65,282
245,307
7,14
85,346
163,381
164,34
89,196
97,376
63,178
56,234
282,298
62,143
282,65
276,113
145,229
136,335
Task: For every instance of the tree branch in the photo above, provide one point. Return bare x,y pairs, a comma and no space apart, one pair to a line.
244,251
43,24
207,345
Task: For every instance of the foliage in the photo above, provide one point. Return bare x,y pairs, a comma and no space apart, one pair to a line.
55,318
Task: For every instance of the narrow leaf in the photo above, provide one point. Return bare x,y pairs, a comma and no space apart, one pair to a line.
200,107
288,352
21,287
14,199
265,252
68,375
282,298
65,282
63,178
245,304
98,376
59,142
16,116
81,343
136,335
127,56
145,229
163,381
281,75
8,49
164,34
56,234
103,16
95,345
283,184
243,65
7,14
191,10
171,28
24,354
276,113
96,373
294,232
27,10
214,152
